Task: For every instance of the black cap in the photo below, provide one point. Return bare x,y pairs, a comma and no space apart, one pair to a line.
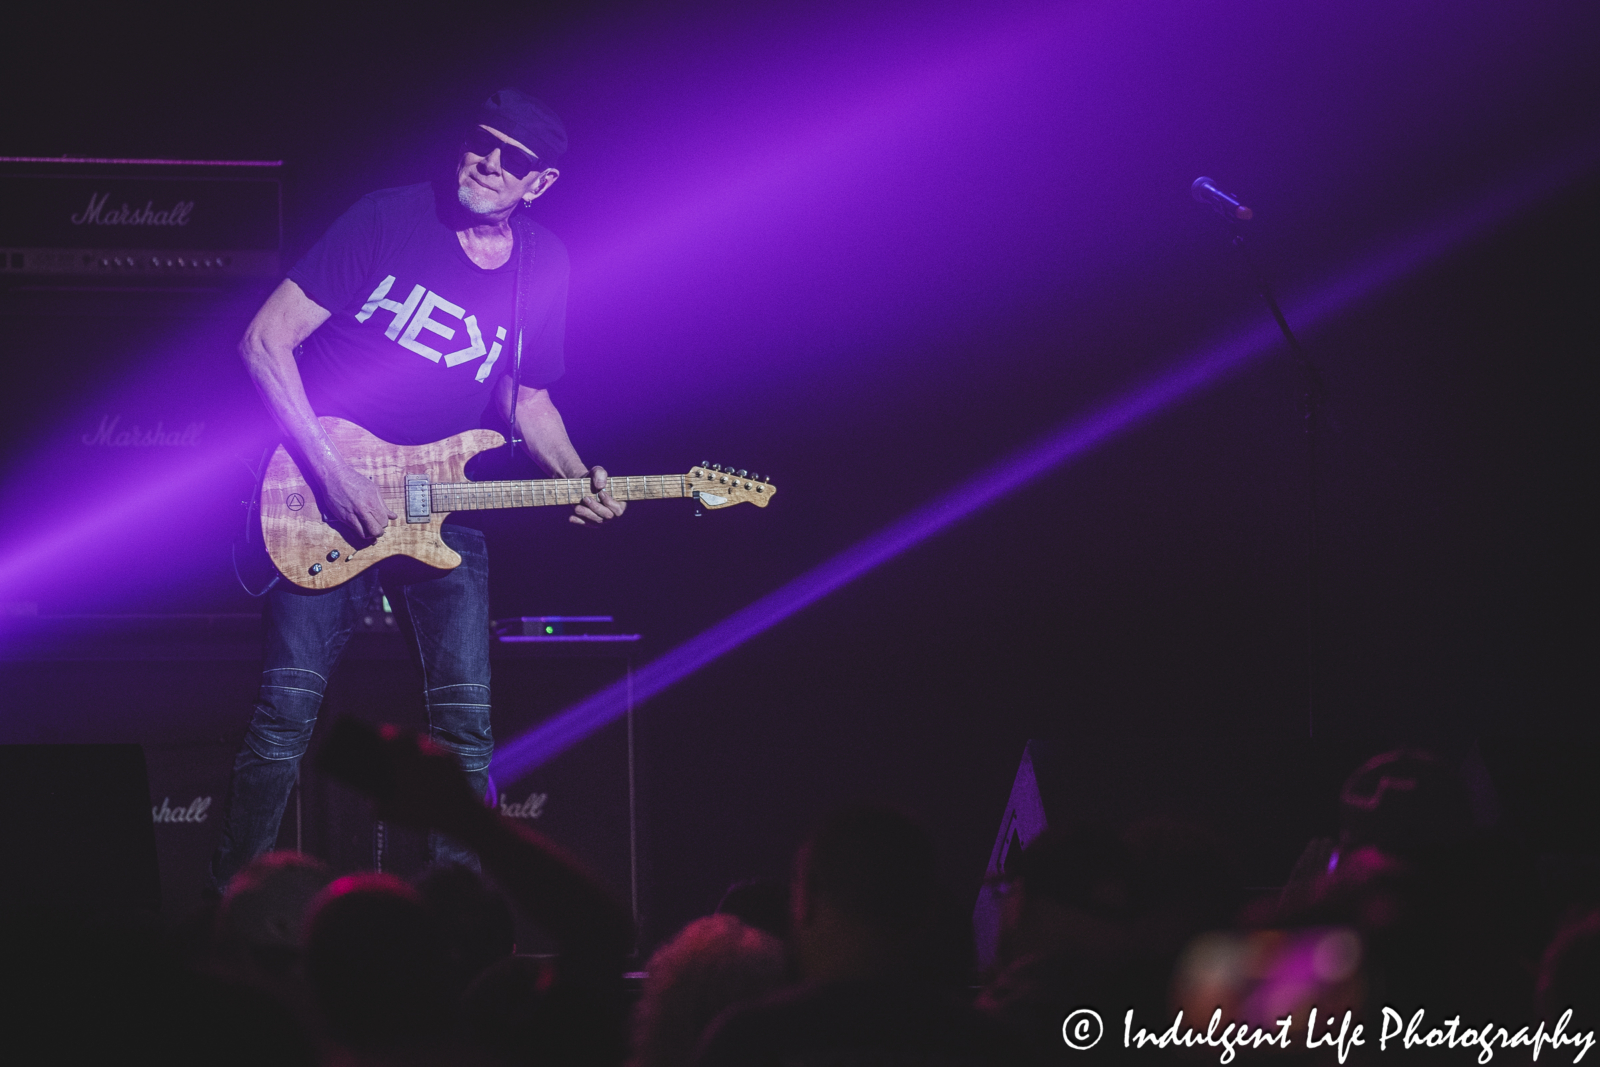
526,119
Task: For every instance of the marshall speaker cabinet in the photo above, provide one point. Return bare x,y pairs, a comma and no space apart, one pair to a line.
125,286
138,223
85,694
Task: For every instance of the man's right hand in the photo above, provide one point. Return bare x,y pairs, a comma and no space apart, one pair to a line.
288,317
354,501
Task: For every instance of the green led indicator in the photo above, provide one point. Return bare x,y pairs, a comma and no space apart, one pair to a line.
549,629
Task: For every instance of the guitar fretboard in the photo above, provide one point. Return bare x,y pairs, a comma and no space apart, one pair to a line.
539,492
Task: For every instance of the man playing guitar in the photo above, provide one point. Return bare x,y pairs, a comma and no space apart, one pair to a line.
407,311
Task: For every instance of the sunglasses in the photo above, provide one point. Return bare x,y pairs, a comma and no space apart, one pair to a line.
513,160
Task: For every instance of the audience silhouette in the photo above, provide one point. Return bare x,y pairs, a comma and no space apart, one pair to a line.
855,961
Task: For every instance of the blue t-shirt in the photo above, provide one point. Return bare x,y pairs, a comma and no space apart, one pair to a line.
418,333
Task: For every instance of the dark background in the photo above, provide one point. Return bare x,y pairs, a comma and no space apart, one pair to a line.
914,315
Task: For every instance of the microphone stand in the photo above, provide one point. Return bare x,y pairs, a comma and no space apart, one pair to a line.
1310,405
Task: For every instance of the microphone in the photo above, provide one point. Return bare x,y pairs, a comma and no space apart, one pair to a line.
1206,191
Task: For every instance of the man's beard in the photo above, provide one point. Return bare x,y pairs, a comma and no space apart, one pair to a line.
473,202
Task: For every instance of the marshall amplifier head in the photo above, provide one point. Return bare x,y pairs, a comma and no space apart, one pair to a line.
138,223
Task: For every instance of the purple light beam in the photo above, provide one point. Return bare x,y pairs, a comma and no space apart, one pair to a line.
1067,442
111,517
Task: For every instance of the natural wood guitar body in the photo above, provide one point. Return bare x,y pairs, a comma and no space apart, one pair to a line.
423,484
300,542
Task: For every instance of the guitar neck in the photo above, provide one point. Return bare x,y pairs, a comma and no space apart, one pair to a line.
542,492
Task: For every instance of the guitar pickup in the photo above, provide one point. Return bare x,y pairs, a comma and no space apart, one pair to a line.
419,498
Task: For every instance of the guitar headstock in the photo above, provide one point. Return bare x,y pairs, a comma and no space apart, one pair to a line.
714,486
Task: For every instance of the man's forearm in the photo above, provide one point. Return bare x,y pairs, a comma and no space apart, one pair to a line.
267,348
277,379
343,496
545,437
544,434
549,886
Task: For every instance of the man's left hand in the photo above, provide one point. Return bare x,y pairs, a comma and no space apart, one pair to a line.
598,506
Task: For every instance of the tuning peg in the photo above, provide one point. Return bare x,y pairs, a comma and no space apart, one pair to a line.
755,477
744,474
703,463
716,466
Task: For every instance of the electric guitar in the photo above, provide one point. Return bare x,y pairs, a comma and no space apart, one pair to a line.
422,484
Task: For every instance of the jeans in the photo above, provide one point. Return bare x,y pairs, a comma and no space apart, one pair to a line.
444,619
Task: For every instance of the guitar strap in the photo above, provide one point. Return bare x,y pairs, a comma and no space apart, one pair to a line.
523,229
